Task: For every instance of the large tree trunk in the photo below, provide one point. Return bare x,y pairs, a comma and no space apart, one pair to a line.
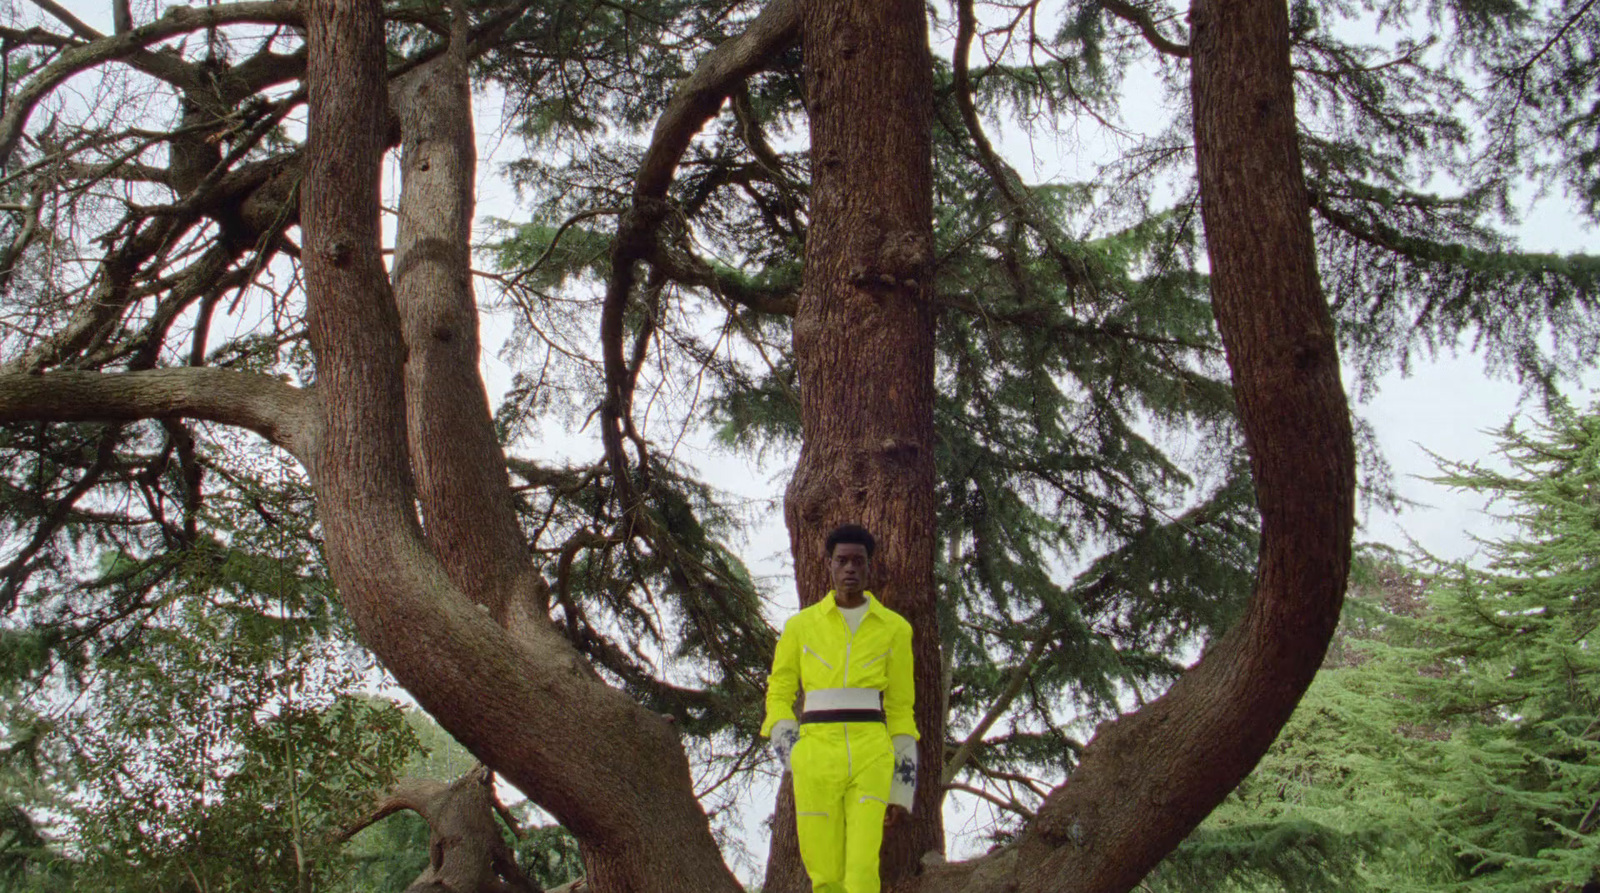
527,704
863,340
1149,778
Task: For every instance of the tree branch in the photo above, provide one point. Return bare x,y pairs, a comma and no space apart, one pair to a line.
1011,805
1147,26
1010,186
1019,678
281,413
700,96
695,102
415,794
526,704
1146,780
68,19
17,571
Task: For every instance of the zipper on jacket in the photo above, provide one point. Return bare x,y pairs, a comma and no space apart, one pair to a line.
849,760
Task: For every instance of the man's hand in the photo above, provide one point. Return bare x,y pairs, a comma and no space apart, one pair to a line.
894,815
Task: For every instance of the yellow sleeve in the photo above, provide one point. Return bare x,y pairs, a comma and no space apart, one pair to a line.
784,680
900,698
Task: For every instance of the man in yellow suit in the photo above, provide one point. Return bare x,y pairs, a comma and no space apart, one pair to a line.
853,747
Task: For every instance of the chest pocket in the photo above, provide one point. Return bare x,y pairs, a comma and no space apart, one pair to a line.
871,670
817,670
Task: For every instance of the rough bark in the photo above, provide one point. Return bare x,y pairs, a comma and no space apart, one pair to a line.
282,414
527,705
1149,778
863,341
459,466
524,701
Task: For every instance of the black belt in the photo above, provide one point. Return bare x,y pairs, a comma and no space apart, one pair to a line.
811,716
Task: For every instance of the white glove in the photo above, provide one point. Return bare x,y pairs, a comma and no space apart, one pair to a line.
785,734
903,787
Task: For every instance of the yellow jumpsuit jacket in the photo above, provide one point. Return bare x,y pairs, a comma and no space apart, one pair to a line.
843,770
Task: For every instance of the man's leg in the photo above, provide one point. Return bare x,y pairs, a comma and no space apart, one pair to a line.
865,801
820,778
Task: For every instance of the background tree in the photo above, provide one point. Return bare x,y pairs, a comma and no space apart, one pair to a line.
1450,746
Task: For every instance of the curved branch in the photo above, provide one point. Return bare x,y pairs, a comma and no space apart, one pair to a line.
526,704
281,413
416,794
1147,26
1147,779
700,96
695,102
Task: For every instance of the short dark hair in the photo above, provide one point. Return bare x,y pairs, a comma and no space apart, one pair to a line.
851,533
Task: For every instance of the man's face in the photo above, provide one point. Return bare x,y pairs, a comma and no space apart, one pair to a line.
848,568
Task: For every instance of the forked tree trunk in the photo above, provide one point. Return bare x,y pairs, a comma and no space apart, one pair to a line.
522,700
863,341
466,851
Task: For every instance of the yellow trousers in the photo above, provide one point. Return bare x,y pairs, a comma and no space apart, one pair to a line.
841,789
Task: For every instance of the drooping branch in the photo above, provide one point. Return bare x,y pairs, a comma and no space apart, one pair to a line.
687,269
256,200
16,571
283,414
415,794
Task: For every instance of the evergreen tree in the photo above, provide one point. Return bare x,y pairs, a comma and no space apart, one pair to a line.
1450,743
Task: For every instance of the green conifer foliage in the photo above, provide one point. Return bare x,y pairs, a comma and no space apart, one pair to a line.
1451,743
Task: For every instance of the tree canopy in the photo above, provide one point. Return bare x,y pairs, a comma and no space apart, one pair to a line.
1133,427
